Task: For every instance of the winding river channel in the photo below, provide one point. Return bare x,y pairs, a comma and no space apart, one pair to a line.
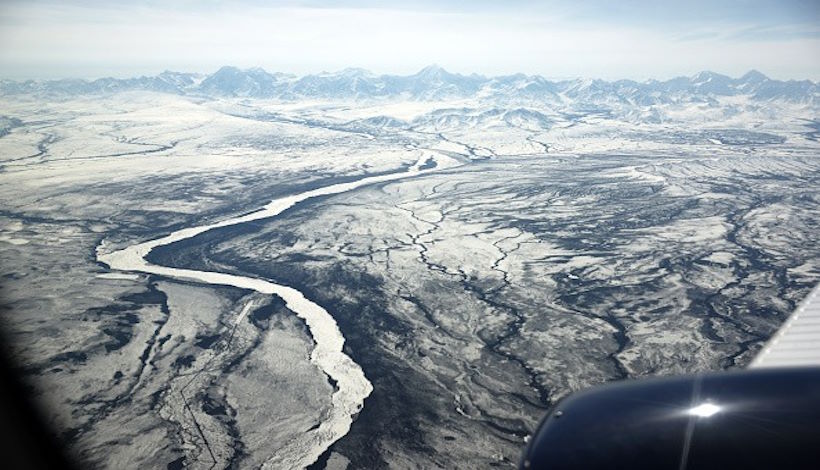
352,387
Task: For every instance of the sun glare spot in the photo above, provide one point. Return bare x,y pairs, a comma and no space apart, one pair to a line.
704,410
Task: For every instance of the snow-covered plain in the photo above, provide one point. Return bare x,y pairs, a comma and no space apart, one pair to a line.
471,258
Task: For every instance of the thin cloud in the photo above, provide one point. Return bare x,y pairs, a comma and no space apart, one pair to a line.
91,39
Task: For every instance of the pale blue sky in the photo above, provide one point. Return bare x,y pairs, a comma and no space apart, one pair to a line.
606,39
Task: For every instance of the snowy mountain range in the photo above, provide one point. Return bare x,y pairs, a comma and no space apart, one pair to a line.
435,83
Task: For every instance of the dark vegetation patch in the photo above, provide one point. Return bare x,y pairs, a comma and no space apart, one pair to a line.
206,341
177,464
260,317
184,361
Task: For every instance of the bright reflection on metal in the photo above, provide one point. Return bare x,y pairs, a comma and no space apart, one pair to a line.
705,410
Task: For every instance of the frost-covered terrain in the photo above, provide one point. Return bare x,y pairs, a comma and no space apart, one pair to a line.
501,242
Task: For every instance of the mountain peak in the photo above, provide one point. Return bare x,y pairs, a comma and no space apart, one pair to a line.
355,72
256,70
754,76
706,75
432,71
227,69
